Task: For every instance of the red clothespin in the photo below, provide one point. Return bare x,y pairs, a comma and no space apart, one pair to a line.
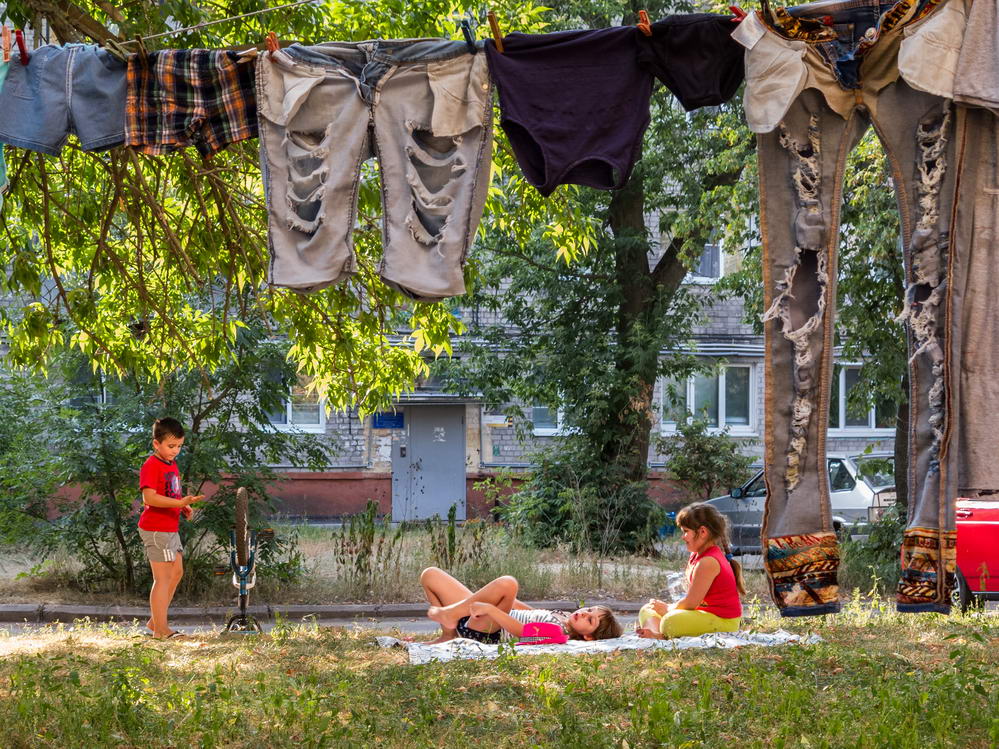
737,13
19,38
643,23
6,43
494,27
271,40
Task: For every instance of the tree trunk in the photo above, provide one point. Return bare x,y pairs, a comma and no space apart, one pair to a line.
627,438
129,569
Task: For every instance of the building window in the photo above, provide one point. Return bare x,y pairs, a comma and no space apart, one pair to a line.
881,417
89,388
303,410
547,422
709,266
724,399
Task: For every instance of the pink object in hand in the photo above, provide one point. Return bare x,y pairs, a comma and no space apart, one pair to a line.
542,633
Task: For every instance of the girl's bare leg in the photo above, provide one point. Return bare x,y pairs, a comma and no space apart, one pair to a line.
501,592
441,590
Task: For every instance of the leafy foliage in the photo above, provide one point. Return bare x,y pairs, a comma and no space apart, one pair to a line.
872,563
366,549
573,497
90,434
151,264
703,461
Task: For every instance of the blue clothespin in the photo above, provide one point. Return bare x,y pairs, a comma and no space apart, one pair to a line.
466,30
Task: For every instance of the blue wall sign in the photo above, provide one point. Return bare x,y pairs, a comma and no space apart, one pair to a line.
389,420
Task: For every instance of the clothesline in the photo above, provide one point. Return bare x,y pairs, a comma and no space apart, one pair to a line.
221,20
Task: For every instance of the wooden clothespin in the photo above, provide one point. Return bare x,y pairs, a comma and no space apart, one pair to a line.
143,54
116,49
494,26
271,40
6,43
643,23
737,14
19,38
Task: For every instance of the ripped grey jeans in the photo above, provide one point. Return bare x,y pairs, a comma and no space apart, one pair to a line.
801,171
423,107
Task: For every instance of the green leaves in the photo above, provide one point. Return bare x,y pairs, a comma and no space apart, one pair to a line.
150,265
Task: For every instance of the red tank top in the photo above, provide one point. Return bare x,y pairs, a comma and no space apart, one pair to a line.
722,598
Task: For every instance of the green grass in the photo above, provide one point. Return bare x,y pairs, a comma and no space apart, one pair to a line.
878,680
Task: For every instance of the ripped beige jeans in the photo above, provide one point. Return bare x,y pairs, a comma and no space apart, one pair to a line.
809,115
423,108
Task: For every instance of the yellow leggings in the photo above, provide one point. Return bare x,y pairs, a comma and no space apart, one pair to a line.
683,623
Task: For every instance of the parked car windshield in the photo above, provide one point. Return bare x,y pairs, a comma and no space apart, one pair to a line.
876,470
757,488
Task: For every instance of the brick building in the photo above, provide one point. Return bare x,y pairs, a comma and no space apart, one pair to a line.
432,450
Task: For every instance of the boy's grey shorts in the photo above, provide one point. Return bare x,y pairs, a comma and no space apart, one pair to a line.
161,546
78,88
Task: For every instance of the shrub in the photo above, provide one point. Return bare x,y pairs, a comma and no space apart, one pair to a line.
701,460
573,498
872,563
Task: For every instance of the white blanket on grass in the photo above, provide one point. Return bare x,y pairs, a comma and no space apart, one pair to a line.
462,649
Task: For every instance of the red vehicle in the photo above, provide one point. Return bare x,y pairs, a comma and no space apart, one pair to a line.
977,551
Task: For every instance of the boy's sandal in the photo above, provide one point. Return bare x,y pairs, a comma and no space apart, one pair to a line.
176,635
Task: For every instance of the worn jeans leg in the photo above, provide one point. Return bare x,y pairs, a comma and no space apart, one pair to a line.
917,130
314,135
974,309
801,169
433,133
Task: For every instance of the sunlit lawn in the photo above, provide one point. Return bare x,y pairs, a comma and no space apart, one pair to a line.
879,679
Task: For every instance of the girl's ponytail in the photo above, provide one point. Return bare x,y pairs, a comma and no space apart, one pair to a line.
740,583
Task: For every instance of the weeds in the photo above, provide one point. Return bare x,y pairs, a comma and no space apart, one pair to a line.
367,551
454,549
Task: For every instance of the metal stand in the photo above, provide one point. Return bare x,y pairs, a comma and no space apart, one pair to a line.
244,577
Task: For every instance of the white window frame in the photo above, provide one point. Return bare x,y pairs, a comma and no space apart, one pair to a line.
734,430
291,426
695,278
556,431
854,431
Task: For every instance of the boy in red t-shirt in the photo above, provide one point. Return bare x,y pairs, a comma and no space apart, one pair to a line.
159,482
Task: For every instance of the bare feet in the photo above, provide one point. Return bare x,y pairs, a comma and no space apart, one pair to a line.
443,615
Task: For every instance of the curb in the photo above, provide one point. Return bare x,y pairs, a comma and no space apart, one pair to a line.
46,613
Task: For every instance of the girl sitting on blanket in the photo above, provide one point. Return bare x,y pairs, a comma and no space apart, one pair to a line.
494,614
714,582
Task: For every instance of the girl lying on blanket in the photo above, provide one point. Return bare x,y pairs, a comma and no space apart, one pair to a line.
493,614
714,582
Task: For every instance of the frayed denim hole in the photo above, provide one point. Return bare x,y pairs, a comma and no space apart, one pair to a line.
443,154
307,171
928,247
800,301
434,164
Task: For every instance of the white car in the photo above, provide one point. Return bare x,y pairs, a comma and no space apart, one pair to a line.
859,486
